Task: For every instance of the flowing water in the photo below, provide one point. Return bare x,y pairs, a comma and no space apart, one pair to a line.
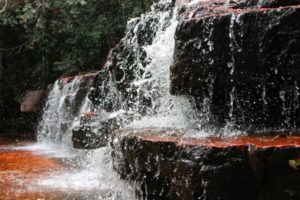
134,92
138,84
38,171
80,174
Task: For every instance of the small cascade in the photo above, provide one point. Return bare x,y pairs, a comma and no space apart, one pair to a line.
165,110
133,89
89,174
166,77
66,101
136,80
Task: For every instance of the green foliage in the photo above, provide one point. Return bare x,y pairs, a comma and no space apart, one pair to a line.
44,39
70,35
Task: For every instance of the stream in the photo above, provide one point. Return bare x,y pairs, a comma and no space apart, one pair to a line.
39,171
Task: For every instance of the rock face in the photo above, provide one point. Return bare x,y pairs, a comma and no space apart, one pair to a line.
93,131
174,167
242,57
33,101
84,137
114,88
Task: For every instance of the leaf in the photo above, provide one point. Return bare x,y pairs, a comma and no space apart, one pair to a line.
294,164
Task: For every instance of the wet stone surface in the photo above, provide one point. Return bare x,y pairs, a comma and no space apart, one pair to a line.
243,56
93,131
30,171
174,167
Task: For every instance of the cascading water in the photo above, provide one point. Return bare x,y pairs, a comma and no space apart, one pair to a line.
154,83
145,102
64,105
55,112
133,93
87,177
138,83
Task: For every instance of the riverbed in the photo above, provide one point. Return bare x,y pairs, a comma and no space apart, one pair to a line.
41,171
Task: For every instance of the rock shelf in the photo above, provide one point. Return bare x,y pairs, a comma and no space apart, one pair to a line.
175,167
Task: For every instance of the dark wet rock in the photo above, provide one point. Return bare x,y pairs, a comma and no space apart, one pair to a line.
170,167
93,131
245,61
223,7
262,3
126,62
276,178
86,137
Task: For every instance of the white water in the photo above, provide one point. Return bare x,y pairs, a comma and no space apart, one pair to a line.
146,101
87,175
91,174
166,110
57,116
93,169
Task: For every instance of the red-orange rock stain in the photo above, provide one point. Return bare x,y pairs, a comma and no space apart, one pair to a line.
66,80
216,142
18,169
90,114
257,142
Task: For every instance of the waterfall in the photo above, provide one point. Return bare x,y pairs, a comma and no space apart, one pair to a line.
136,80
66,101
135,87
90,173
135,94
154,83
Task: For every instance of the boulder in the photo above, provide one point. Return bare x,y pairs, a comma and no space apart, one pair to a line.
242,56
175,167
33,101
86,137
93,131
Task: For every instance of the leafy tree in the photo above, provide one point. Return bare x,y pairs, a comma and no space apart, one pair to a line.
41,40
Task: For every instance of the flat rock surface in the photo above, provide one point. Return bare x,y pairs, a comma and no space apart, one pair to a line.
175,167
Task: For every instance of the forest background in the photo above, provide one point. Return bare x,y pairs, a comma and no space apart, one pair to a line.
42,40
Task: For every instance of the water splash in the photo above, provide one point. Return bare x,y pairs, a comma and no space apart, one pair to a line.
59,112
92,176
154,83
144,102
142,90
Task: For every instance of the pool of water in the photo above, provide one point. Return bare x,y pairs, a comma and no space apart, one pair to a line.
40,171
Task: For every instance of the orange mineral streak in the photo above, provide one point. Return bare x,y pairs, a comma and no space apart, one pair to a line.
90,114
215,142
66,80
257,142
19,169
